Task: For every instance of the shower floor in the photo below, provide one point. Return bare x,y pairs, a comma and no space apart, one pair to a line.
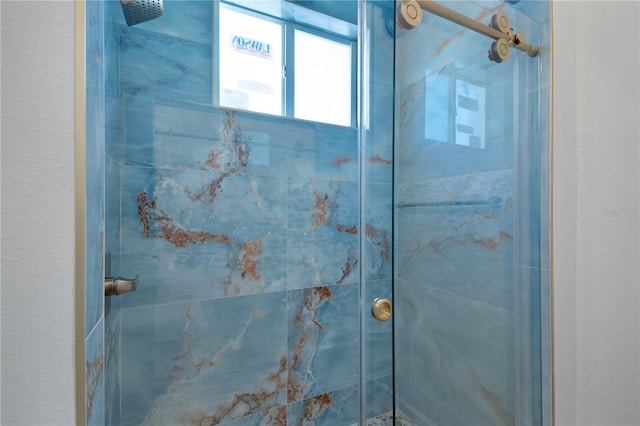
386,419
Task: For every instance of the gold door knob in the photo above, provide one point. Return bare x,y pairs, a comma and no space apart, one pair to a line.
381,309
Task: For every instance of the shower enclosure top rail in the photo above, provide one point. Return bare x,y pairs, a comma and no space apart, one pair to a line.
410,15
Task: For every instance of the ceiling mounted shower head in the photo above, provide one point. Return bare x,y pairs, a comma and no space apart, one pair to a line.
137,11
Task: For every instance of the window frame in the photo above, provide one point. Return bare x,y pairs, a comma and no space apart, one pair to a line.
288,59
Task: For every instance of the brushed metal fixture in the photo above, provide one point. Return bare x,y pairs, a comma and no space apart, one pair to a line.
409,15
381,309
500,21
119,285
499,51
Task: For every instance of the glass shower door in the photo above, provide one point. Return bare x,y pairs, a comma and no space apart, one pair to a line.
467,265
242,226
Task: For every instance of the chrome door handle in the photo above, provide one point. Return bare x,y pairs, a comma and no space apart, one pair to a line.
119,285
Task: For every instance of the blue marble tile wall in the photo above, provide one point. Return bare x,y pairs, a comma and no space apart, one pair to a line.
95,224
103,141
244,229
467,227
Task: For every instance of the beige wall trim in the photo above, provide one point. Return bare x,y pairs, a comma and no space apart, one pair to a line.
80,212
550,213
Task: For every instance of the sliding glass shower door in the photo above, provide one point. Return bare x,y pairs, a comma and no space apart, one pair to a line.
469,263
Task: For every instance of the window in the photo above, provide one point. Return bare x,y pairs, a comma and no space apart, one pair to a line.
250,51
322,90
274,66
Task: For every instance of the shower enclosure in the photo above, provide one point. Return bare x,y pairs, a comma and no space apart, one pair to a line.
346,169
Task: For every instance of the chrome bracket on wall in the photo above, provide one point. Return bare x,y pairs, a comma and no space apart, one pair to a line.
409,15
117,286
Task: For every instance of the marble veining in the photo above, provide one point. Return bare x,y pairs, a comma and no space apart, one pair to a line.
322,323
94,376
322,151
339,407
467,231
243,404
462,363
112,372
386,419
272,417
214,202
322,233
152,63
456,234
380,256
94,381
245,231
193,355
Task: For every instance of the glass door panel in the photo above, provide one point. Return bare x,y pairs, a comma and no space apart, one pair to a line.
466,224
242,226
376,145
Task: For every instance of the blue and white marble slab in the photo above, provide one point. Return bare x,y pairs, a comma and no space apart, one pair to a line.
94,44
322,151
428,413
378,230
329,409
94,376
191,235
94,227
272,417
204,362
138,131
322,233
455,351
114,121
379,397
94,282
153,63
323,350
456,235
112,345
112,214
186,135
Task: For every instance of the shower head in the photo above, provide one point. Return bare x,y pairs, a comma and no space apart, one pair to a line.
137,11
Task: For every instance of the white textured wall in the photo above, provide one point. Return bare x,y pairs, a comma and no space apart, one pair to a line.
37,213
597,212
564,241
